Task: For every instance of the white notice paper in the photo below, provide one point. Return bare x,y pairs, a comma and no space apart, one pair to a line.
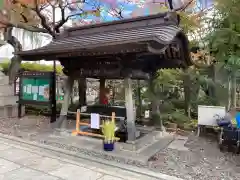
29,89
147,114
34,89
25,89
41,90
34,97
83,108
95,121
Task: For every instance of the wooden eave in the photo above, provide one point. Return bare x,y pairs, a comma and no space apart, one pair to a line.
118,37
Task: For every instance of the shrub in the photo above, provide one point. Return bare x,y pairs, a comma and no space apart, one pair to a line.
156,118
26,66
167,107
177,117
178,103
40,110
191,125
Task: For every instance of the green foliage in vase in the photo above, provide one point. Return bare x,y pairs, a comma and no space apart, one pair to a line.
108,130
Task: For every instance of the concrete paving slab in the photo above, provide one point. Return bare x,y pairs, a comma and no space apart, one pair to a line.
70,172
16,155
107,177
76,167
120,173
22,174
44,164
6,166
4,146
46,177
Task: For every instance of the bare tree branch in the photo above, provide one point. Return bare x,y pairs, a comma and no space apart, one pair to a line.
65,19
43,19
15,60
24,26
62,21
184,6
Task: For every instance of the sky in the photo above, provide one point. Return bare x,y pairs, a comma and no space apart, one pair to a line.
130,8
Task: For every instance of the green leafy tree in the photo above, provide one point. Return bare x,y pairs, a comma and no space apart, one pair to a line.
224,43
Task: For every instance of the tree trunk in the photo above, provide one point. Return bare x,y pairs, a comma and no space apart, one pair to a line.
153,99
15,60
61,122
82,88
234,90
229,92
102,90
212,89
155,105
187,93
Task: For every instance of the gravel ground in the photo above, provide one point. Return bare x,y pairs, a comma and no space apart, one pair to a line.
203,161
26,125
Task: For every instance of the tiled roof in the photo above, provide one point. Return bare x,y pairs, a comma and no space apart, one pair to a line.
163,35
121,37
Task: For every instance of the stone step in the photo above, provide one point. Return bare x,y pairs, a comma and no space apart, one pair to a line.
158,145
141,143
93,149
4,80
6,90
8,100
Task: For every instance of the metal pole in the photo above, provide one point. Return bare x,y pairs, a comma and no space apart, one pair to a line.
54,19
54,78
20,96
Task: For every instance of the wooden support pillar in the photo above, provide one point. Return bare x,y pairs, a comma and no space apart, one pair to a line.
139,109
102,90
131,128
82,88
68,86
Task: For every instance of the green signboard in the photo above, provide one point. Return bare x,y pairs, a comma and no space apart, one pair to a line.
36,89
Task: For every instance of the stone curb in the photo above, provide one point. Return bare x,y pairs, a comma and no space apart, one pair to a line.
126,167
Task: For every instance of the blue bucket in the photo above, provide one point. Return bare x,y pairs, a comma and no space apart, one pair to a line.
108,146
238,119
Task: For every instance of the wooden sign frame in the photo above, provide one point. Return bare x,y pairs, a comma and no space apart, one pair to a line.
51,102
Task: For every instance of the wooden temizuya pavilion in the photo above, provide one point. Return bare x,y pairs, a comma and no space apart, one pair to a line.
125,49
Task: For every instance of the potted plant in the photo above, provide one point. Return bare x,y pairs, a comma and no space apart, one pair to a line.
108,130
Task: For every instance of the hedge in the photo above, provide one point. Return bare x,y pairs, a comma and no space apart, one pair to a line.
26,66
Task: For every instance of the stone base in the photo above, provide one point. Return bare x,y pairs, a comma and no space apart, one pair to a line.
10,111
139,155
8,105
142,142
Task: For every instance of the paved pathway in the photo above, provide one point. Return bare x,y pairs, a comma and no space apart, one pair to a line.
18,162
